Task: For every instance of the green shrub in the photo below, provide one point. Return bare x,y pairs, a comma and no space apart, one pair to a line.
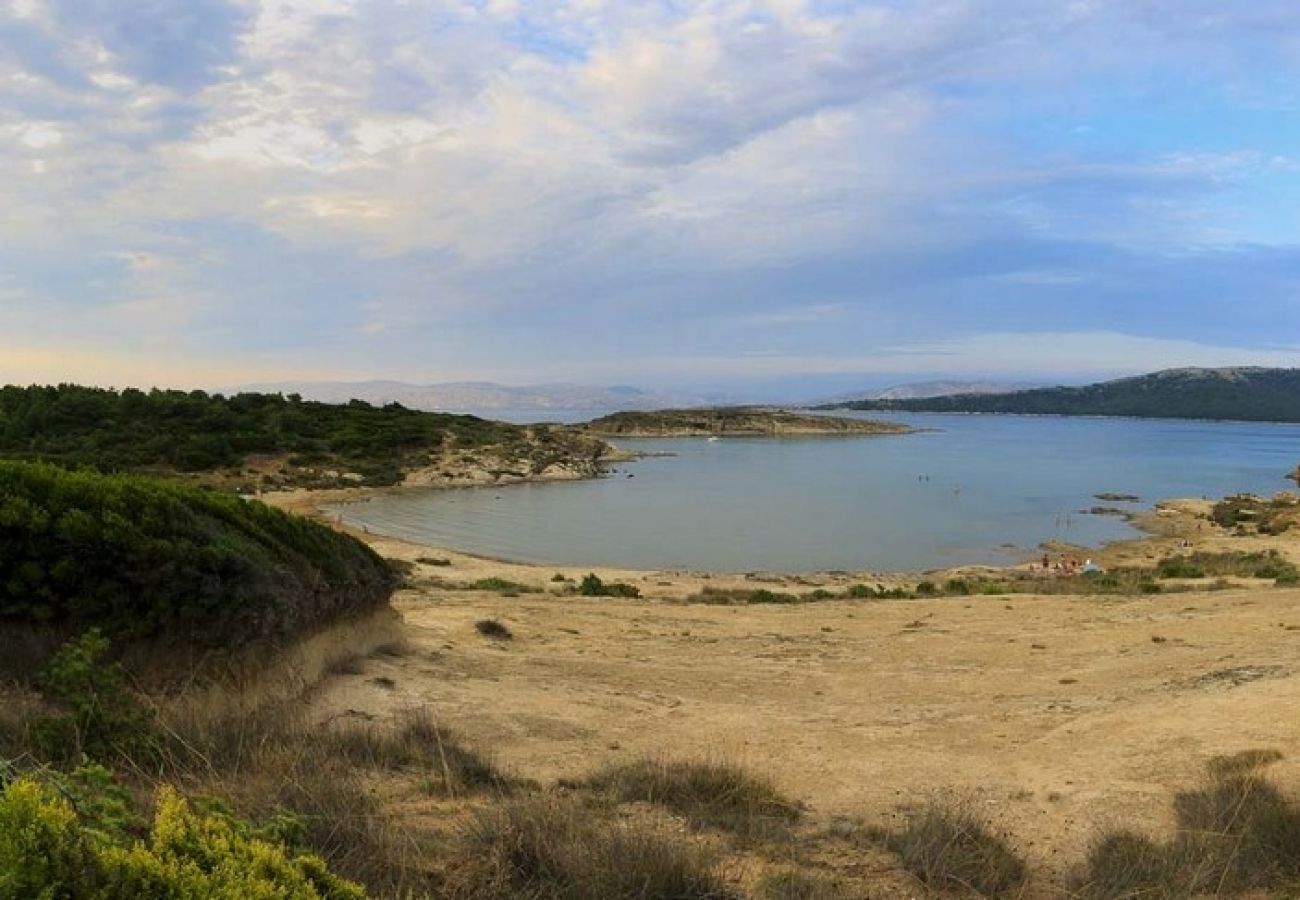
501,586
1178,568
1201,564
593,586
1244,510
96,714
141,558
717,595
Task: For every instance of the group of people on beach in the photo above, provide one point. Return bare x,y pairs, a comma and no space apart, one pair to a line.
1066,565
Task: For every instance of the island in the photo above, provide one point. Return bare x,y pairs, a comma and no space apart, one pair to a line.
735,421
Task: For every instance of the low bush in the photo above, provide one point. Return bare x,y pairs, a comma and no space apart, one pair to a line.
593,586
722,596
1267,564
501,586
91,710
1245,511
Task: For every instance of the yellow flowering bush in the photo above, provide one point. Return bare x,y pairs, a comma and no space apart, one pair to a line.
47,853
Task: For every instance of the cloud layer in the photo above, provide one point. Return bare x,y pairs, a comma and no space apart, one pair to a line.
649,192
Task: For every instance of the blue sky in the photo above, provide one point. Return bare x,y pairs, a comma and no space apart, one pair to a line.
779,196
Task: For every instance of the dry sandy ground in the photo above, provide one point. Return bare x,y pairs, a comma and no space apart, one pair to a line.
1055,715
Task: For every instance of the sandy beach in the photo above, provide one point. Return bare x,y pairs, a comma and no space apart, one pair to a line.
1056,715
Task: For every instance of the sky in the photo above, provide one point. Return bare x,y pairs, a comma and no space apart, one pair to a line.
774,196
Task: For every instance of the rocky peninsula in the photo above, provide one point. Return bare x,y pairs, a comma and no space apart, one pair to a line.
734,421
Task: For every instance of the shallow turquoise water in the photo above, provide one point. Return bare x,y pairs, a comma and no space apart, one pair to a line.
977,489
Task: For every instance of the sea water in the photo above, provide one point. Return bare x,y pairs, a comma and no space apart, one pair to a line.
966,489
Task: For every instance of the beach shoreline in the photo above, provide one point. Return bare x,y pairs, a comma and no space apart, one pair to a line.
1168,527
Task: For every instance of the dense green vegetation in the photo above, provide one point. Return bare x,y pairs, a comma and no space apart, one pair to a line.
194,431
1244,394
143,557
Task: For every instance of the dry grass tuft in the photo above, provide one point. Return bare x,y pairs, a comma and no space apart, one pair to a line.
494,629
554,848
793,884
1238,833
946,846
707,794
415,742
1243,763
352,664
271,764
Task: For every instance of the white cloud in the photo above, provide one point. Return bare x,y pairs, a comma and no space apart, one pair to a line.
40,135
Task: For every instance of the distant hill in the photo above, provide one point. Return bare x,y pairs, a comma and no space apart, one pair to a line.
1242,394
482,396
918,390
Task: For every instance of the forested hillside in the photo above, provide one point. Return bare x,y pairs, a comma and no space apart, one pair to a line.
193,431
1242,394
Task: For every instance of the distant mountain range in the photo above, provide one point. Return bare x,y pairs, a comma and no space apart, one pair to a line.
484,396
1243,394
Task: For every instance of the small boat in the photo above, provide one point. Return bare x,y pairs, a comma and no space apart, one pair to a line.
714,439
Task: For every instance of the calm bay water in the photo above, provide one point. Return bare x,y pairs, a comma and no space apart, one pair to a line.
977,489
